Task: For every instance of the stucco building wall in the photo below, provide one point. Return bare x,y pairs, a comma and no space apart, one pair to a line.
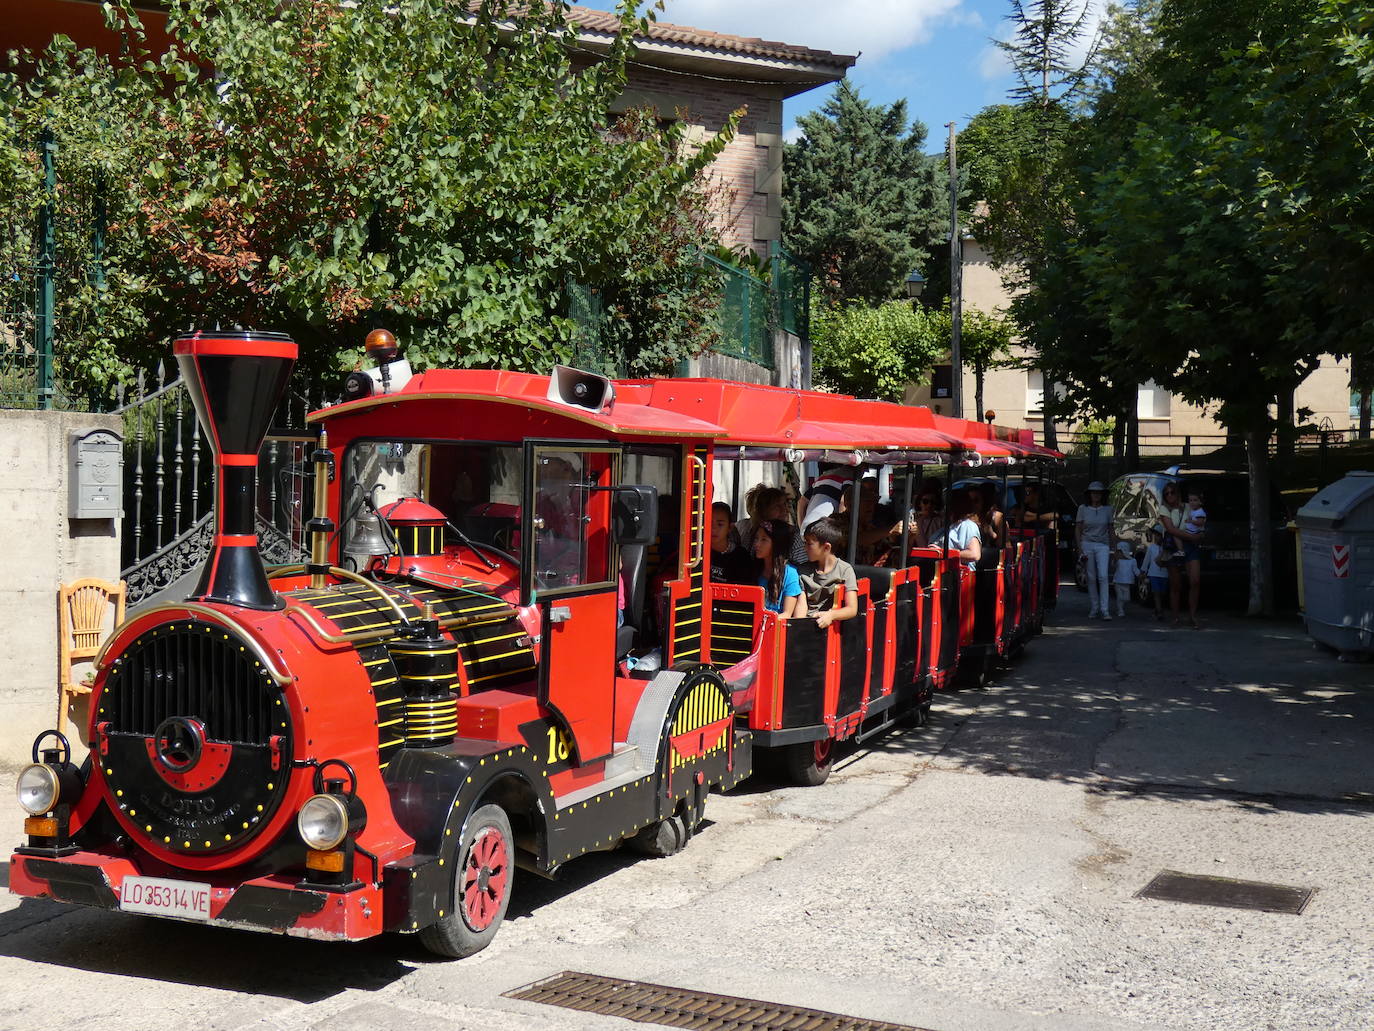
1011,392
45,549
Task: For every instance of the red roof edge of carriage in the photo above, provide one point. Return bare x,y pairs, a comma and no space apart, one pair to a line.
725,411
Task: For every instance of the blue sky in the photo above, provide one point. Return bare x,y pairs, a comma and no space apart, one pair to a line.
935,53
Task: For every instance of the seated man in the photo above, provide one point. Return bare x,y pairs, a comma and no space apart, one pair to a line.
824,494
824,571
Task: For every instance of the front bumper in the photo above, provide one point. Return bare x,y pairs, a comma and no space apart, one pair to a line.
274,903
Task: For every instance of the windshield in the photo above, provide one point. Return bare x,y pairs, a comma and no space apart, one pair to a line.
476,487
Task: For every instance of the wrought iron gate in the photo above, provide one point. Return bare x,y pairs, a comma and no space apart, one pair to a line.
169,488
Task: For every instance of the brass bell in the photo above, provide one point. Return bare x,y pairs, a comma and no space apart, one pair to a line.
365,541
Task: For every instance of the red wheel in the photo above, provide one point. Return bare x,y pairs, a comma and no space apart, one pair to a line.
809,762
486,869
481,886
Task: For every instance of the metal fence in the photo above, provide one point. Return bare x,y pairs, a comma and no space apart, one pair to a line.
37,252
1312,460
26,300
792,287
747,314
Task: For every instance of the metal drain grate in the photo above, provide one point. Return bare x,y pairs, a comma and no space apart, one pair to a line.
1172,886
680,1007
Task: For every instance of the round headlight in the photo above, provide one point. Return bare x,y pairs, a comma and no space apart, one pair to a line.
323,821
38,789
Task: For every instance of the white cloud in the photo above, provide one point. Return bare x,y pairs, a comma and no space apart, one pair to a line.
792,135
993,63
870,27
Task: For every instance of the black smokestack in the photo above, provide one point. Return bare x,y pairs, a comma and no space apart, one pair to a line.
235,381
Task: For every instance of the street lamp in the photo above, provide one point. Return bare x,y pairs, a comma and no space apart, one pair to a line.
915,285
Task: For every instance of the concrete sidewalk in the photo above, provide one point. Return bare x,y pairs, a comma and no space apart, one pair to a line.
976,875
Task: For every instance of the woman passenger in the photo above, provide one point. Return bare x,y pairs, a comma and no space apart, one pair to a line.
764,501
782,590
928,519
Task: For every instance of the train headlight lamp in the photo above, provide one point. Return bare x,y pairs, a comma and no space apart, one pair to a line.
323,821
39,788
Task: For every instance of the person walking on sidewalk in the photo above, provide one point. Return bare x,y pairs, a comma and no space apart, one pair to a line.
1124,575
1155,568
1093,529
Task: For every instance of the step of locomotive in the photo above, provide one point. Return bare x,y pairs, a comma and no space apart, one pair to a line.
623,767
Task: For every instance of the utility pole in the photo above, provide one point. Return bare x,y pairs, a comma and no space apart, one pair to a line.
956,285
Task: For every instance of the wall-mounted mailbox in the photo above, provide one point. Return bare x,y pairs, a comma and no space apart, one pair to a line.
95,477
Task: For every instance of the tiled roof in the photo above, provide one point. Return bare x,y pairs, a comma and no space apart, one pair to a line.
683,35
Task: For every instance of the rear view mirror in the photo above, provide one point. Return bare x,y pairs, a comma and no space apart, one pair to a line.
636,514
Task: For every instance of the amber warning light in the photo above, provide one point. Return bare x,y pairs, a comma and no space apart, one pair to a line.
388,373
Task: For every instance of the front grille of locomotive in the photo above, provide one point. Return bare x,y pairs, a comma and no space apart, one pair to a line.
185,680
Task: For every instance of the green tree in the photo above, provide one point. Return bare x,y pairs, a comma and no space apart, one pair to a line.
389,161
984,343
1221,217
860,197
1030,203
876,351
995,140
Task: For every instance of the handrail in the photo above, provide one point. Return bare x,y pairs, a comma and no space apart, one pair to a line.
699,539
354,636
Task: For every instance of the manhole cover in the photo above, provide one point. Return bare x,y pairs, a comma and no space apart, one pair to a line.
1172,886
680,1007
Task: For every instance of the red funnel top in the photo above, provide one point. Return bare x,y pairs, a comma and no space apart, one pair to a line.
235,381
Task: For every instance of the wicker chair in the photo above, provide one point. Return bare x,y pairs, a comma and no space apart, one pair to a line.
82,607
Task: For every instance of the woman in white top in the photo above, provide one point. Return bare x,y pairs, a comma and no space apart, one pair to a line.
1093,530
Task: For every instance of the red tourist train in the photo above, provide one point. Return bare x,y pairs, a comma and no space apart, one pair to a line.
505,651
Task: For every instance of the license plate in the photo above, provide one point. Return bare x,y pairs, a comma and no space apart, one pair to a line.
1235,556
158,896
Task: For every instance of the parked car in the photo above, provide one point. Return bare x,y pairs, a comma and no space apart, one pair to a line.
1137,501
1057,498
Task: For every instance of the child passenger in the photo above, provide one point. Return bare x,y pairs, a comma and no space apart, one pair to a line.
730,563
823,572
782,591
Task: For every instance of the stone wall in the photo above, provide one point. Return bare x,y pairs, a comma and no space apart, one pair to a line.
42,549
748,172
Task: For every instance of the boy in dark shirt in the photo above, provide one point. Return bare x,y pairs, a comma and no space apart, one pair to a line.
824,571
730,564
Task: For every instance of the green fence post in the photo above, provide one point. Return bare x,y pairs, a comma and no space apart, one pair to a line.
43,329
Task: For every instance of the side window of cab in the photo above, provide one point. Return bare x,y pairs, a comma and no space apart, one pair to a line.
571,518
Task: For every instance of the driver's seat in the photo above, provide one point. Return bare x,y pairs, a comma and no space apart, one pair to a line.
632,575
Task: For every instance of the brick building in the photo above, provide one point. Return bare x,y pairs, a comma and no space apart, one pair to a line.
701,77
693,74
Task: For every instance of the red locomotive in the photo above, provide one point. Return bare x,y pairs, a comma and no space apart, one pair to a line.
461,680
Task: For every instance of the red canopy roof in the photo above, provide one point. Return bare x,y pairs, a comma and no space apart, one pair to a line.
731,414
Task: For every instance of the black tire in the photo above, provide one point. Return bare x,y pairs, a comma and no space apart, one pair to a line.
809,762
662,839
485,854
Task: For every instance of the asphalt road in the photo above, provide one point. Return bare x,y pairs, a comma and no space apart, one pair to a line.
976,875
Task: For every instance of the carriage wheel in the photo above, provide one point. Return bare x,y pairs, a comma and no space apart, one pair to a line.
809,762
482,885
